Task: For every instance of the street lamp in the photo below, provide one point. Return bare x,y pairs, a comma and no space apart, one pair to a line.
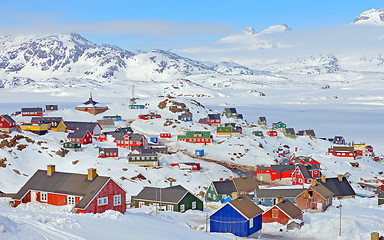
339,207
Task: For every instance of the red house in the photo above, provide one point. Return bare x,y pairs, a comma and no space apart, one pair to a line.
316,198
86,193
149,116
165,135
102,137
27,112
82,136
342,151
301,160
108,152
274,172
129,140
7,124
282,213
187,166
305,174
272,134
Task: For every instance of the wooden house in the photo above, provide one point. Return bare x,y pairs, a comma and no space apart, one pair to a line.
160,149
199,153
28,112
342,151
93,127
236,130
282,212
279,125
272,134
165,135
241,217
115,118
109,123
258,133
76,146
185,117
245,185
61,127
196,137
108,153
303,160
229,113
37,128
271,196
339,140
316,198
214,119
149,116
102,137
91,106
130,140
305,174
81,136
262,121
224,131
274,172
310,133
175,198
290,132
7,124
143,156
339,186
56,123
219,190
50,108
189,166
87,193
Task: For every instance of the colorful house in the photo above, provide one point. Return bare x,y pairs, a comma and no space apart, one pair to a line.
7,124
305,174
81,136
37,128
339,140
76,146
274,172
93,127
108,153
91,106
199,153
59,127
339,186
342,151
279,125
56,123
303,160
109,123
130,140
258,133
380,198
271,196
186,117
196,137
214,119
229,113
282,213
175,198
87,193
28,112
262,121
241,217
189,166
153,139
272,134
224,131
143,156
165,135
290,132
115,118
220,190
50,108
316,198
149,116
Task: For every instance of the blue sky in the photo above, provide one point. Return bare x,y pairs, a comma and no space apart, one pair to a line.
134,24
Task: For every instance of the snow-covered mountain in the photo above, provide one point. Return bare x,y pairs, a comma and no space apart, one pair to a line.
372,16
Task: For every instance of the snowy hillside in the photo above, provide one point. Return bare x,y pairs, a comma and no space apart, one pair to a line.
372,16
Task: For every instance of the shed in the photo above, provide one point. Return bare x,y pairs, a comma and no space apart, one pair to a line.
258,133
153,139
241,217
199,153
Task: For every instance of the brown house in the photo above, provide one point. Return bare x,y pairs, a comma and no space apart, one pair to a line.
282,213
315,199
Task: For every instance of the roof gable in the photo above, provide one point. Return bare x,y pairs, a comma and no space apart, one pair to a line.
170,194
290,209
246,207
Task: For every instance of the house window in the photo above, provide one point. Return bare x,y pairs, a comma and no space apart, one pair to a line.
44,197
102,201
71,200
300,180
310,193
117,200
141,204
262,200
275,213
251,223
170,208
182,208
194,205
214,197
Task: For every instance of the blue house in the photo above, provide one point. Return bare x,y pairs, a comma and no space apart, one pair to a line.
241,217
114,118
186,117
271,196
199,153
136,106
153,139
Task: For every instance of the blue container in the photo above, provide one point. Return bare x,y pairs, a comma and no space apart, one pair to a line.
153,139
199,153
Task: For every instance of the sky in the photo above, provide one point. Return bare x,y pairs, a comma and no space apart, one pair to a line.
168,24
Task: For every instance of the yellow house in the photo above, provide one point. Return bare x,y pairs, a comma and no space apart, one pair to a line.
38,128
60,128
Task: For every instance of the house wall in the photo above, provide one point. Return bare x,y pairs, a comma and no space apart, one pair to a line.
187,201
282,218
164,205
109,190
214,197
269,202
312,203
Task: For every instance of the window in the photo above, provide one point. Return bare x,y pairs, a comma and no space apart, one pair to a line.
182,208
44,197
117,200
251,223
275,213
102,201
71,200
300,180
194,205
141,204
214,197
170,208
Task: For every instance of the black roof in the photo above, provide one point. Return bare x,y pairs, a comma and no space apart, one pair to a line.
230,110
262,119
8,118
78,134
224,187
109,150
72,125
214,116
170,194
38,109
47,119
277,192
283,168
310,133
51,107
339,188
290,131
305,171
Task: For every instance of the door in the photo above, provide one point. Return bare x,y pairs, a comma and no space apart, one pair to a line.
182,208
33,196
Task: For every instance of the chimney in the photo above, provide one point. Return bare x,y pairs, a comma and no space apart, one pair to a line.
50,169
230,178
279,199
314,182
221,179
323,178
91,174
340,177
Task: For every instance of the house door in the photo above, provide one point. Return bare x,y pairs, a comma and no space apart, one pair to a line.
319,206
33,196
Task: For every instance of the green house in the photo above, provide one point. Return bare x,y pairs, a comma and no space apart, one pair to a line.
72,145
175,198
196,137
258,133
224,130
230,113
290,132
220,190
279,125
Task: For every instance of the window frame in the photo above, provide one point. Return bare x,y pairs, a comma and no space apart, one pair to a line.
102,201
117,200
44,196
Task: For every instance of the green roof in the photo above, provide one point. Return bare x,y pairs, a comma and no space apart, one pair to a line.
224,129
204,134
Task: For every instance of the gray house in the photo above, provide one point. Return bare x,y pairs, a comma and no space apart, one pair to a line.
270,197
339,186
143,156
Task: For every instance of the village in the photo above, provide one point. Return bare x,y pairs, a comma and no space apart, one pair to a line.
248,194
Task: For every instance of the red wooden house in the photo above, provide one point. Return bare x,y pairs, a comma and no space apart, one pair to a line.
129,140
282,213
86,193
305,174
102,137
187,166
108,152
149,116
27,112
342,151
7,124
272,134
274,172
165,135
82,136
301,160
316,198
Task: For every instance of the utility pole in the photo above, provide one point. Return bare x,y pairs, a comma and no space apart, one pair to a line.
339,207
